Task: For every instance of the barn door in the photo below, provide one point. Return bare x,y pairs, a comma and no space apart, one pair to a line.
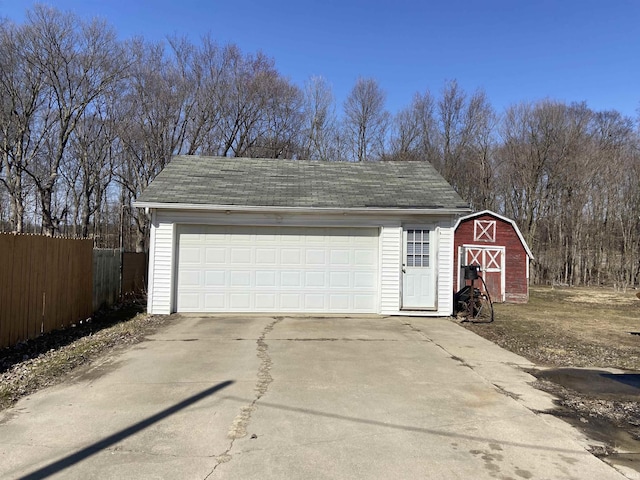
491,261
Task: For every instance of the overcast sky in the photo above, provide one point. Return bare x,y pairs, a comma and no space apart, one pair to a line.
516,50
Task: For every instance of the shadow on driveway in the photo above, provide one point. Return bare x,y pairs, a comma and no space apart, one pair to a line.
86,452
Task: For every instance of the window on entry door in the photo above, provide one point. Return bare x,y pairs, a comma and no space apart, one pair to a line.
417,248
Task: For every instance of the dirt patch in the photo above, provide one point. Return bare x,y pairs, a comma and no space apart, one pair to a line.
586,341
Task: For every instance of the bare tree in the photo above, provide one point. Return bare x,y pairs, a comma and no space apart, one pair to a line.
319,120
79,61
88,168
22,128
465,126
415,135
366,120
278,130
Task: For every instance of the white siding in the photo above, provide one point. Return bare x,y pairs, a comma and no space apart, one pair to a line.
390,264
161,268
445,271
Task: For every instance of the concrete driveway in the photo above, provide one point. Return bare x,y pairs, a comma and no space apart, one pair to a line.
240,397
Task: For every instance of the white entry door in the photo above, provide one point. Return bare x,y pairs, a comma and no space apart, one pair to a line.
418,269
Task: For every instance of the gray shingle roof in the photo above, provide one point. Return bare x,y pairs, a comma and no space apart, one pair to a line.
300,183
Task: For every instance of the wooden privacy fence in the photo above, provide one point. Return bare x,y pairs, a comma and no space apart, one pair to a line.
50,283
45,284
116,273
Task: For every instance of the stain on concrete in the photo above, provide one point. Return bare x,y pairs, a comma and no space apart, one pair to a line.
523,473
569,460
490,459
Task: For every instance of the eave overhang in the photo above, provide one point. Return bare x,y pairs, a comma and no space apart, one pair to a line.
303,210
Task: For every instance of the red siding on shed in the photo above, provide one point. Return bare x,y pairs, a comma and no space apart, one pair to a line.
516,257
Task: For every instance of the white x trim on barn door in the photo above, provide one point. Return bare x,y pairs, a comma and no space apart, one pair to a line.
474,256
493,259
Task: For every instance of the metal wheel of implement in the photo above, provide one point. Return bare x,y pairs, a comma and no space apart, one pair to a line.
482,310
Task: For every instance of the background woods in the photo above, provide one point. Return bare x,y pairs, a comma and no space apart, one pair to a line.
87,121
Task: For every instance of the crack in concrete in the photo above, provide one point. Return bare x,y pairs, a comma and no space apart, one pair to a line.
420,333
238,428
463,363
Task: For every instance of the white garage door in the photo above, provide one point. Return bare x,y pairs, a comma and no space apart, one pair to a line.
277,269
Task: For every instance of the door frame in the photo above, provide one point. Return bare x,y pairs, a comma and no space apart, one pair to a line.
433,261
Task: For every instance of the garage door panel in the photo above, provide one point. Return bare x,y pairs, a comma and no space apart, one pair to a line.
214,301
340,257
314,302
266,256
265,301
363,280
290,302
240,302
269,269
339,280
315,257
240,255
339,302
365,258
215,255
266,278
291,256
191,255
364,302
314,279
190,300
291,279
190,278
214,278
240,279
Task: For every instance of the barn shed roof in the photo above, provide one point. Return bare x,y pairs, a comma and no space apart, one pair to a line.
498,216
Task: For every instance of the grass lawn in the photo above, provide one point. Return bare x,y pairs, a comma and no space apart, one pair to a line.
563,327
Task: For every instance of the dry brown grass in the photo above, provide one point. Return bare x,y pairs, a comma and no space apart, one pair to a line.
586,327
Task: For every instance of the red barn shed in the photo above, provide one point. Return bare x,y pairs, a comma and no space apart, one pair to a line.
495,243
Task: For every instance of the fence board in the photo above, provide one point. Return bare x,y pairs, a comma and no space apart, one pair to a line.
134,272
106,264
5,245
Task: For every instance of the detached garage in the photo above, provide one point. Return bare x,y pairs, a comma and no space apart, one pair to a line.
265,235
